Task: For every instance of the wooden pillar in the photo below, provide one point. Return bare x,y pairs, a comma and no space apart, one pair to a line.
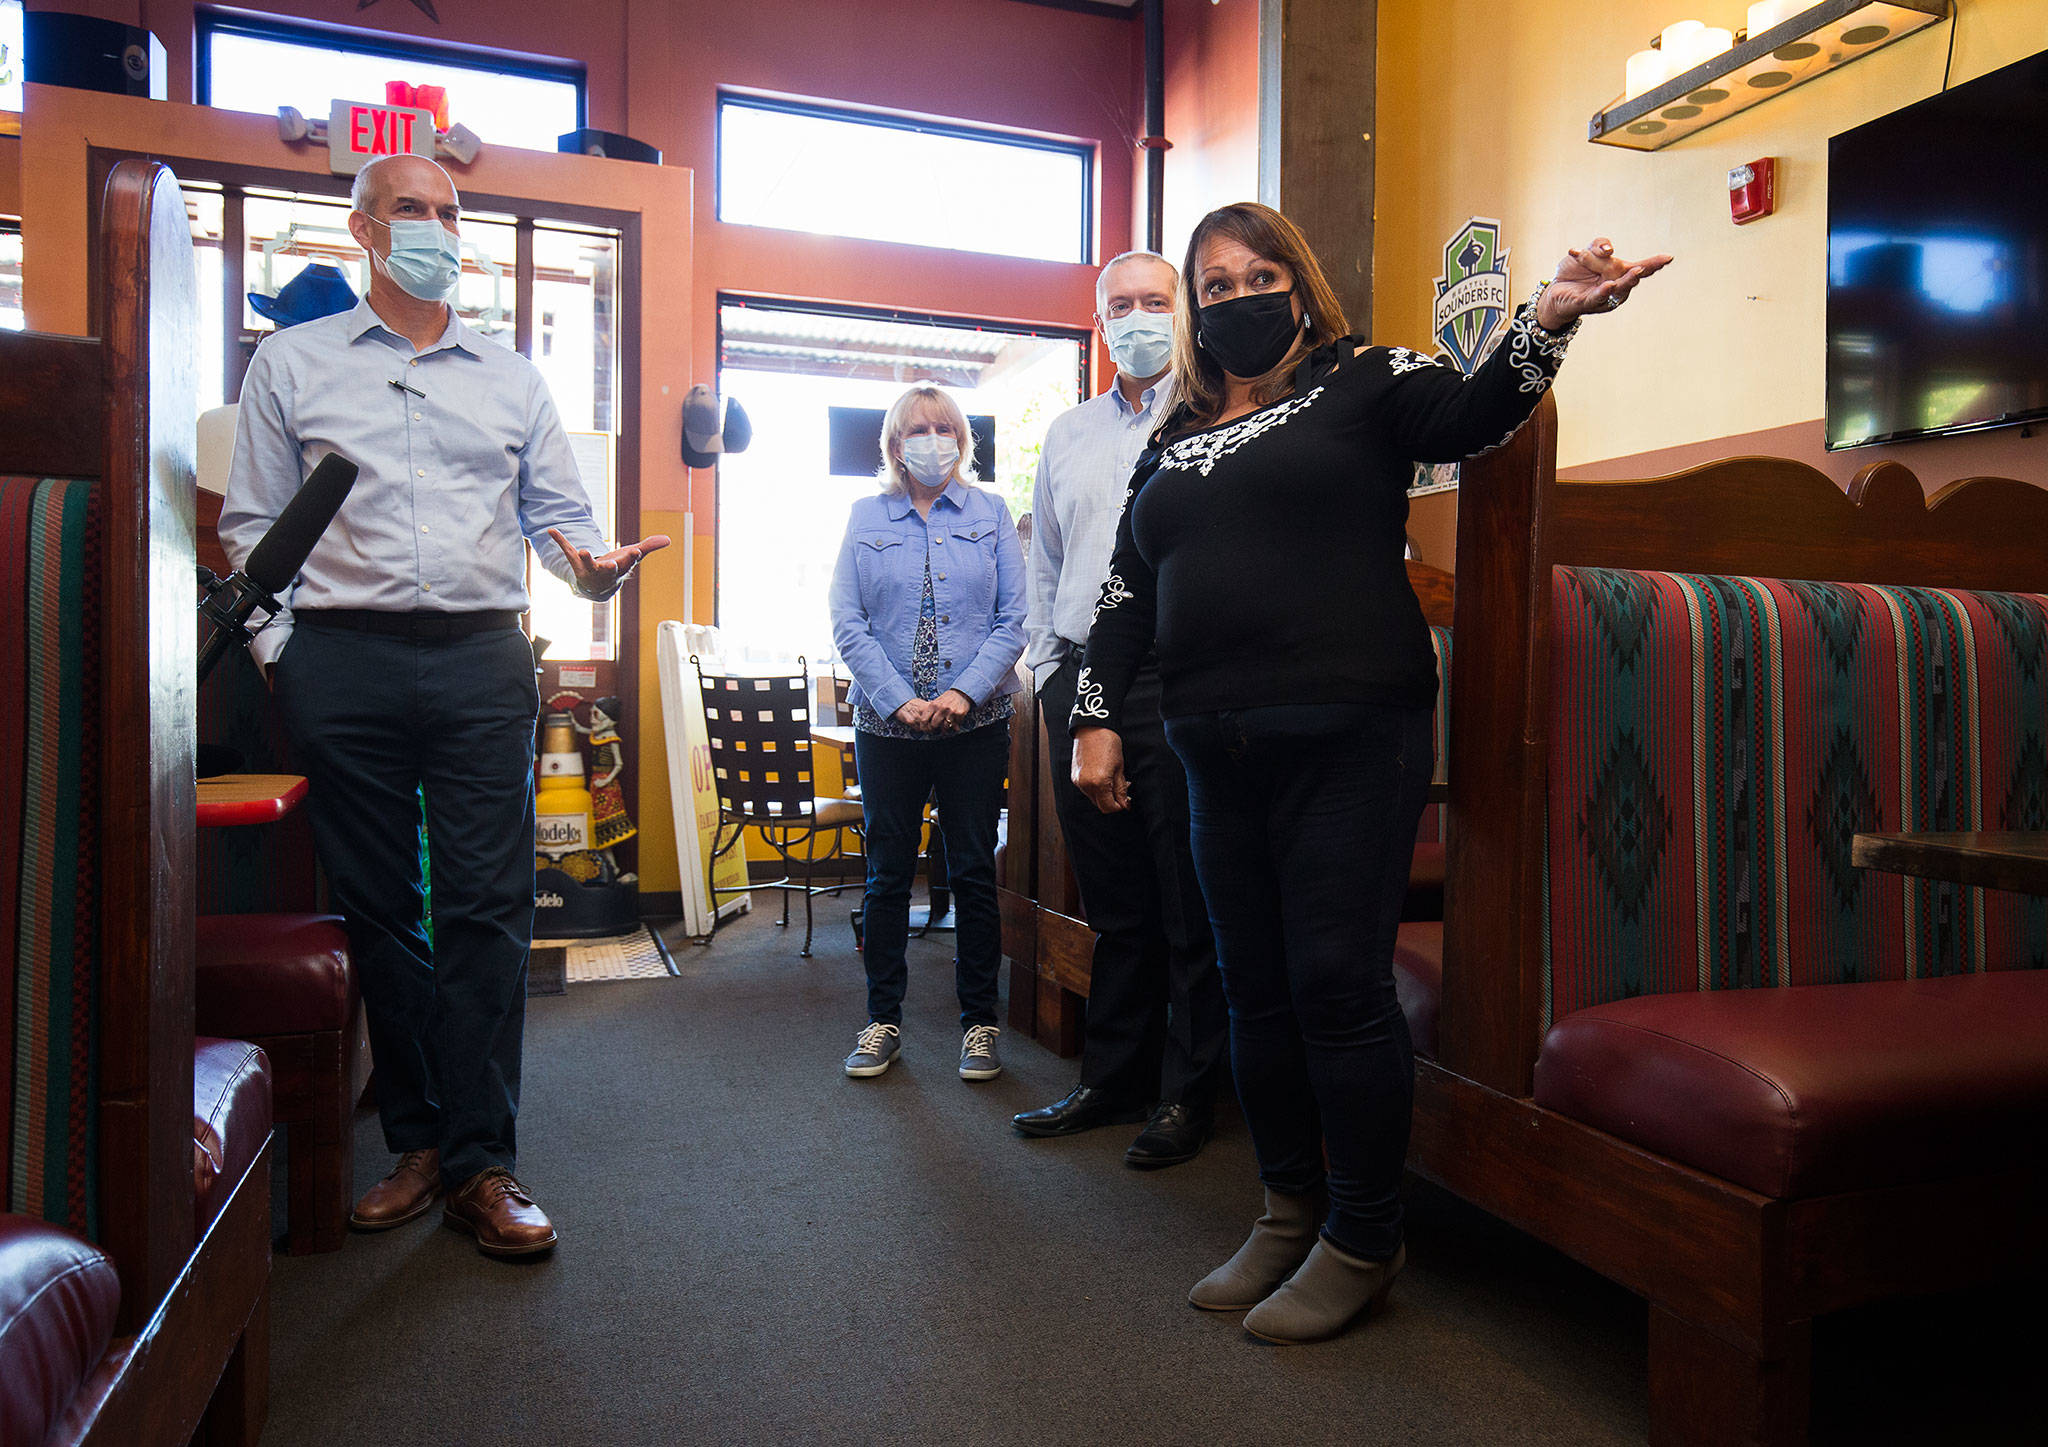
1317,63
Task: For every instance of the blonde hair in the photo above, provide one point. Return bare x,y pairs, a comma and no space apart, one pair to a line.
1264,231
892,476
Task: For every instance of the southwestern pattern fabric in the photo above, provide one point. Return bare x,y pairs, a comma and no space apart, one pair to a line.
49,805
1717,741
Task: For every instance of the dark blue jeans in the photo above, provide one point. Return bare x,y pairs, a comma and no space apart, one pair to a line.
376,721
897,776
1304,825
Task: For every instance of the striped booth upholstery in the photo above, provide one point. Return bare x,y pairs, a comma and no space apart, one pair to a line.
1717,741
49,818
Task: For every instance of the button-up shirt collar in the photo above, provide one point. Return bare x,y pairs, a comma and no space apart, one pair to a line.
364,320
1145,398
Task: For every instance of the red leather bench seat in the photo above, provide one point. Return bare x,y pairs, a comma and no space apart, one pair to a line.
58,1298
272,974
230,1119
1812,1090
1419,979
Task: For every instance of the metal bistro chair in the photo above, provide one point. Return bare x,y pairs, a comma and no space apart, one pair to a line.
760,732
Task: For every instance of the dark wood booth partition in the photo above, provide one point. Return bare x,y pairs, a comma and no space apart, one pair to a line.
1733,1277
117,414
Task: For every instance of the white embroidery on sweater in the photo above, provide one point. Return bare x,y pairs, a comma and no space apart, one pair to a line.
1088,698
1201,453
1401,361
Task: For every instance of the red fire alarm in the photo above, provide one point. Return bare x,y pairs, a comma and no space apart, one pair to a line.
1753,190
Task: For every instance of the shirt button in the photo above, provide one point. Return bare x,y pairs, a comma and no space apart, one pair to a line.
426,587
945,617
414,362
415,416
423,472
423,527
942,577
940,541
945,663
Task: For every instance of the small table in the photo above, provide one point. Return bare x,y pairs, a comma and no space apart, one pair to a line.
834,736
2015,861
230,799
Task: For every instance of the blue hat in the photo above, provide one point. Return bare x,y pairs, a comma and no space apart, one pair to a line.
319,290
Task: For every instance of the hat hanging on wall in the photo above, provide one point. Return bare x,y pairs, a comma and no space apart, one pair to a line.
712,426
319,290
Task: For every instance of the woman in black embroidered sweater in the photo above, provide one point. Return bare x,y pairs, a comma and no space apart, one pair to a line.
1260,554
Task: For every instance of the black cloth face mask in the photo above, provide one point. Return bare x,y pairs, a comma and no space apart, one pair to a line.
1248,335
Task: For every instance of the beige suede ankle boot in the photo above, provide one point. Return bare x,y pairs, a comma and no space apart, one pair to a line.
1280,1240
1331,1290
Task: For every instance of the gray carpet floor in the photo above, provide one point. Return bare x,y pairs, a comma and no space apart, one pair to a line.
757,1249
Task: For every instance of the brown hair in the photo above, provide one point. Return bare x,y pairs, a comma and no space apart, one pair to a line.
1263,230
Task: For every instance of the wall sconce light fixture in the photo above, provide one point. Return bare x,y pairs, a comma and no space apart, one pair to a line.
1810,42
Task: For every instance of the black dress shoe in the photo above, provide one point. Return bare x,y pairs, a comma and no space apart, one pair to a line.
1084,1108
1175,1133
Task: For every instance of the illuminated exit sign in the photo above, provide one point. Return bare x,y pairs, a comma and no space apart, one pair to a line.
358,132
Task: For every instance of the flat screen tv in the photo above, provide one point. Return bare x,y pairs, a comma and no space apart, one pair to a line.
1938,263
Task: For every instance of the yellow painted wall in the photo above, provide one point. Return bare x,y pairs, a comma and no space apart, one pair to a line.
1483,107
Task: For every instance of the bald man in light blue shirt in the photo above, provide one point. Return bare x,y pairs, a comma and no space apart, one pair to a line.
402,674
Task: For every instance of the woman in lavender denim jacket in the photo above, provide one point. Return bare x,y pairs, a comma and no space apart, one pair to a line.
928,607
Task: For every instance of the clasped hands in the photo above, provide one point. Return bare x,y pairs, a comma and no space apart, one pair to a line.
599,575
941,715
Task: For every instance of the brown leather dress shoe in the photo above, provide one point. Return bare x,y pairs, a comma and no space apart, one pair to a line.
402,1195
495,1208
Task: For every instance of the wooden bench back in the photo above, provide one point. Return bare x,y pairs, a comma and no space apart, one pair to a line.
118,412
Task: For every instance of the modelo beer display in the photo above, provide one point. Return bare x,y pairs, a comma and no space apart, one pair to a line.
561,808
579,891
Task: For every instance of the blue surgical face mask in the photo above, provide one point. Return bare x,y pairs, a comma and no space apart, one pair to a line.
929,457
1140,343
425,259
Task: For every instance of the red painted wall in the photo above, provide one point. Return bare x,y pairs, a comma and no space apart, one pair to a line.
1212,111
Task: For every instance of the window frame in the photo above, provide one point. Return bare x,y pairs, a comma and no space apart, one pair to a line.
209,23
1084,151
1084,336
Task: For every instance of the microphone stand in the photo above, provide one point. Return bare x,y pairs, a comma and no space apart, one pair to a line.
228,602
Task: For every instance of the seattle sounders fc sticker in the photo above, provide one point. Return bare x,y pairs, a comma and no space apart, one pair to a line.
1468,317
1472,294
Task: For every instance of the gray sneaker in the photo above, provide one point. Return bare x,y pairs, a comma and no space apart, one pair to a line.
874,1052
978,1059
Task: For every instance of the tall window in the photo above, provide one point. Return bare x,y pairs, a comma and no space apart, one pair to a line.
260,66
782,506
883,178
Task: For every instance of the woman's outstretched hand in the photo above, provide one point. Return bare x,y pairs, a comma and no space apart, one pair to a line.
1099,769
1592,280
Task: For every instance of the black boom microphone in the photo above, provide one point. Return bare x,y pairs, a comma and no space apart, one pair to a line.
275,562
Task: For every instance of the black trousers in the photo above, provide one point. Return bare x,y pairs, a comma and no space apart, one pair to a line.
897,776
1157,1024
376,722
